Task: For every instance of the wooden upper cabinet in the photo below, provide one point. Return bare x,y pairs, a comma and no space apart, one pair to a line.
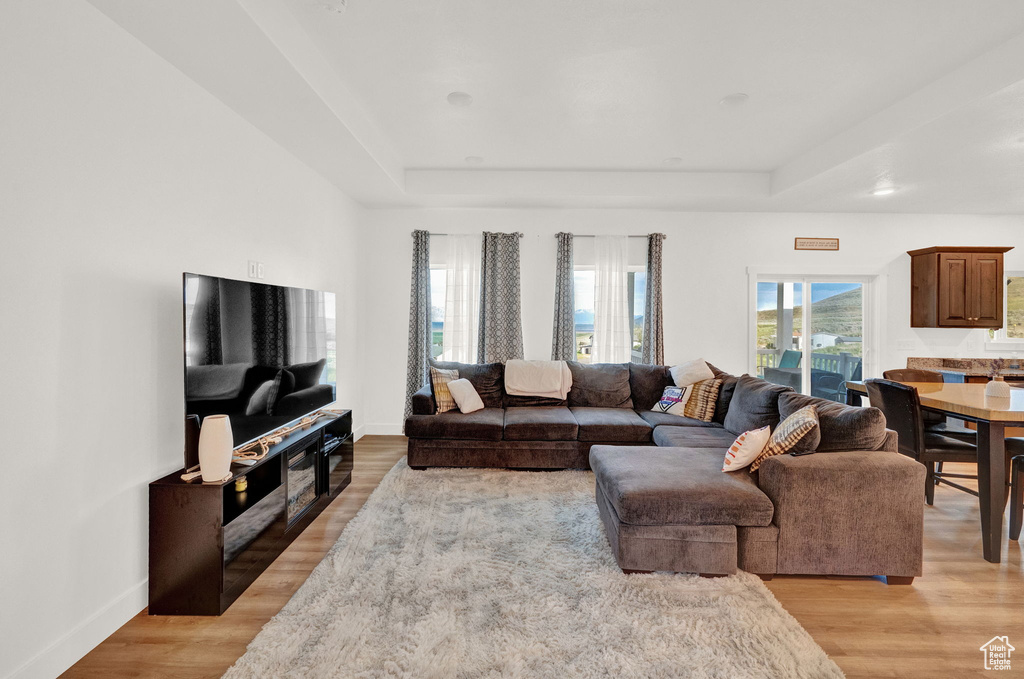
957,287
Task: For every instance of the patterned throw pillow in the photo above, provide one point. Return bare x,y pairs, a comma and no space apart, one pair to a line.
745,449
440,378
789,435
701,405
673,400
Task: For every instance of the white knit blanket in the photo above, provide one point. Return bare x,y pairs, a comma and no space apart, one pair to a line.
551,379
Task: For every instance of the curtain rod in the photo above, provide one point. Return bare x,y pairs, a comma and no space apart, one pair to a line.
590,235
514,233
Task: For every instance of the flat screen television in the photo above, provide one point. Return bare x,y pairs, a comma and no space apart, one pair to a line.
265,355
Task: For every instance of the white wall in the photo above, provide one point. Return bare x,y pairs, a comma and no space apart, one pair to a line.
117,173
705,279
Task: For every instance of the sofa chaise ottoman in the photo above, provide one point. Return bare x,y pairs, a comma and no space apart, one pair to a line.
672,509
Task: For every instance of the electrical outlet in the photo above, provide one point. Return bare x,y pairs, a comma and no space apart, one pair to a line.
252,268
259,270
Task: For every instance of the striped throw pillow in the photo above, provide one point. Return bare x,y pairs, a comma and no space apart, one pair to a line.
440,378
788,436
701,404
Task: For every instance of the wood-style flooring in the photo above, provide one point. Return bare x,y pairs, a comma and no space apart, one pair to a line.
933,628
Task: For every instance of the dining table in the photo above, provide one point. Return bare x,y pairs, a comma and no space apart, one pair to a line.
992,415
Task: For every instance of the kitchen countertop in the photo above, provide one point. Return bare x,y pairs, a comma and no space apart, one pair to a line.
968,367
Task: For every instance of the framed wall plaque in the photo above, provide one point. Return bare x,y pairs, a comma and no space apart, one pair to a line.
816,244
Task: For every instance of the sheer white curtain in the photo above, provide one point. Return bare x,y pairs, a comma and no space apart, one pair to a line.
462,298
612,324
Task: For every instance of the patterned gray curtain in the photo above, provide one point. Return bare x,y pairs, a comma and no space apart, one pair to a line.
563,342
652,351
269,325
419,318
501,325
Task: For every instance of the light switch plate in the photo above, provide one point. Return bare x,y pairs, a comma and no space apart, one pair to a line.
253,268
259,270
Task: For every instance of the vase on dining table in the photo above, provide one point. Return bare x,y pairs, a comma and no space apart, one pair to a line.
997,388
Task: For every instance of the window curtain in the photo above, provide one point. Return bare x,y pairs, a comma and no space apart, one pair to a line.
269,325
307,326
462,298
563,342
501,325
419,318
612,324
652,349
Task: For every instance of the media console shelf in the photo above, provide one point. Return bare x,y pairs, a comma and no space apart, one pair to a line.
209,542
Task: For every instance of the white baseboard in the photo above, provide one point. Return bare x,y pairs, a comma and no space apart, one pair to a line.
87,635
383,430
358,433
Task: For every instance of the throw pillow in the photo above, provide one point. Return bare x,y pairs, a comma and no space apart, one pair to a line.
745,449
754,404
789,436
488,379
701,404
691,372
284,384
259,402
673,400
307,374
439,380
465,395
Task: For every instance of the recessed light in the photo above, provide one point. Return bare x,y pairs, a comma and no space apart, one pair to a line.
474,160
736,99
459,99
674,160
883,191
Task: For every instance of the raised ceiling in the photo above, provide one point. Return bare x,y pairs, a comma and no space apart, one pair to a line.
580,103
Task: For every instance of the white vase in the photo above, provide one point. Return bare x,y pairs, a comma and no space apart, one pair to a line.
997,388
215,448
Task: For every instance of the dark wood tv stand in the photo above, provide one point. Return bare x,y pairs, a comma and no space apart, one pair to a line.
208,542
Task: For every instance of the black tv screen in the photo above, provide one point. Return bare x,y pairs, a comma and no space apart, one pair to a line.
264,355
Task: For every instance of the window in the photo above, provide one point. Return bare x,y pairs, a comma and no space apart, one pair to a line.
438,292
583,287
828,333
1013,310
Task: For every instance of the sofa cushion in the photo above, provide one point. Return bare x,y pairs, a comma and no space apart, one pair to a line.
656,419
842,427
600,385
480,425
755,404
518,401
540,424
694,437
647,383
611,425
725,393
487,378
677,486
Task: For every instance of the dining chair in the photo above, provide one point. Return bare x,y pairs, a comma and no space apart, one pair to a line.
1015,446
935,423
901,405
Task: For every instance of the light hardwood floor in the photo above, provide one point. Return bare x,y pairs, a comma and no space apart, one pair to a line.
933,628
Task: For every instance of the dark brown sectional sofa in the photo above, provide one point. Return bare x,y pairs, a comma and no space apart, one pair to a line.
854,507
609,404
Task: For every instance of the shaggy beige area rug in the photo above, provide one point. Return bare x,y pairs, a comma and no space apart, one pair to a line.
493,573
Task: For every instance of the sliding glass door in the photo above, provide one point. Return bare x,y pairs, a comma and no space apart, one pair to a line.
810,332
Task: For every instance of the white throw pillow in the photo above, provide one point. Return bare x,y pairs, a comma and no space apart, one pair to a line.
691,372
673,400
746,448
465,396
